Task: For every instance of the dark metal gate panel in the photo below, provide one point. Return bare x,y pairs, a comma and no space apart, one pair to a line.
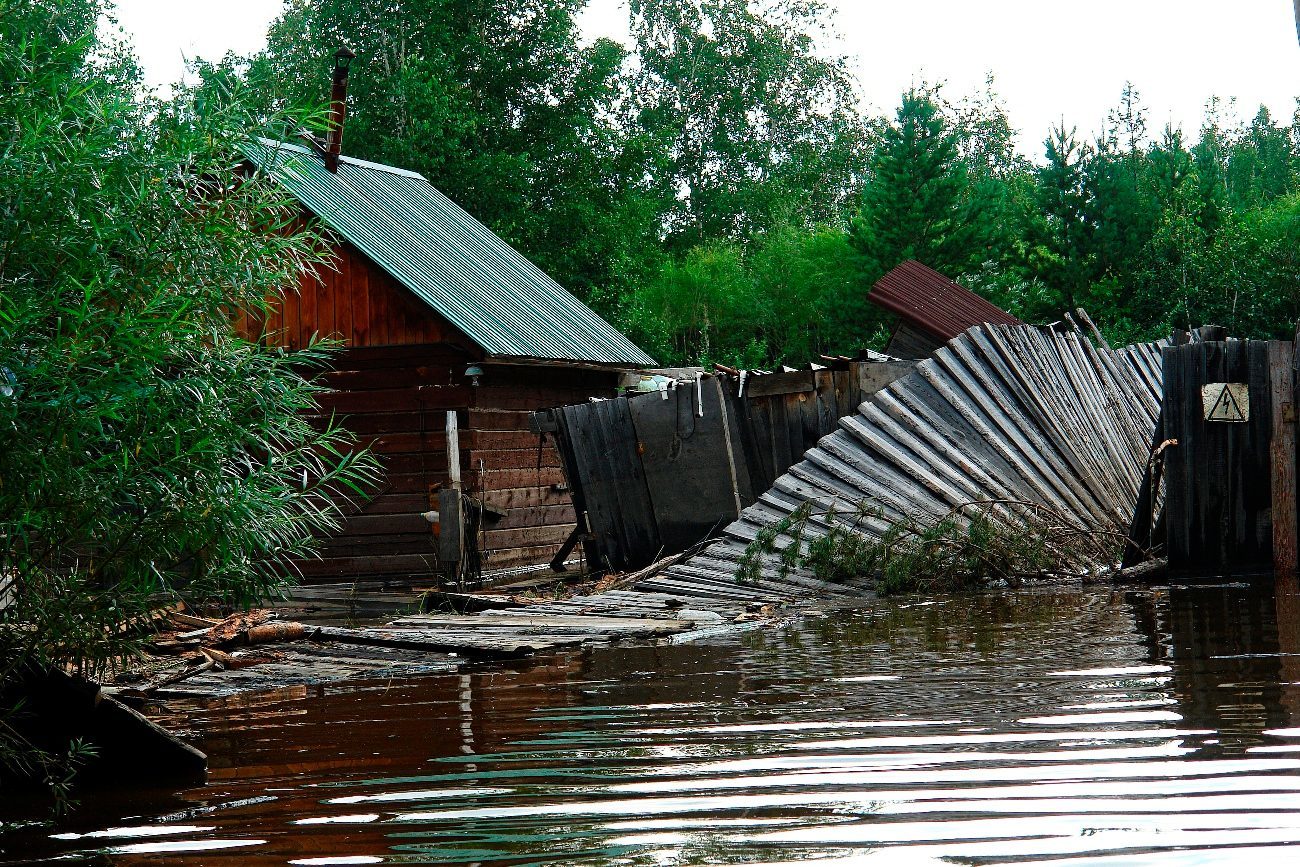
695,467
1218,496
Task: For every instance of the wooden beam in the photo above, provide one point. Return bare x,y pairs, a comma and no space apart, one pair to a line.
453,450
1281,360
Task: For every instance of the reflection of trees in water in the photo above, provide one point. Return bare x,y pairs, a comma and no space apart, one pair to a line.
990,656
981,624
667,673
1233,653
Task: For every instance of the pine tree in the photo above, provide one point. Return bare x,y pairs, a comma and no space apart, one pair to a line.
1260,163
918,202
1208,158
1062,256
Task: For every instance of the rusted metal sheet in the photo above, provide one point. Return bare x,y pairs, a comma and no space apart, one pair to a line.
931,306
1000,413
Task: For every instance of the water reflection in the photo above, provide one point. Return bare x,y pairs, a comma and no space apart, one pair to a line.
1234,657
1065,726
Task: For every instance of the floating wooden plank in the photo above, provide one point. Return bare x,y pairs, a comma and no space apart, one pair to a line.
530,624
445,641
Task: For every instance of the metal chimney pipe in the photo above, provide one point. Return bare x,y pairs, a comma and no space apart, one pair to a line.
338,108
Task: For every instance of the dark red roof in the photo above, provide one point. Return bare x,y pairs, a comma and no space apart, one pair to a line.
929,301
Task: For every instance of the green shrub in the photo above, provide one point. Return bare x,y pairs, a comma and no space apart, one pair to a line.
147,452
971,546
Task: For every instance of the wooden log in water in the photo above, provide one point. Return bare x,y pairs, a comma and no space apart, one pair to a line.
464,642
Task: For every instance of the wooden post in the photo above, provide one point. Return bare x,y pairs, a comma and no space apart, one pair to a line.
1282,456
451,536
453,450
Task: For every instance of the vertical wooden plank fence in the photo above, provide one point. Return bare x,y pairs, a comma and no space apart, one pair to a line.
1281,362
653,474
1230,495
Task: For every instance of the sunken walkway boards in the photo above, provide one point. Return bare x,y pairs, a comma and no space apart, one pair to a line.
421,644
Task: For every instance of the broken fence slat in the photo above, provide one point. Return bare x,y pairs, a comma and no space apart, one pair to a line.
1000,412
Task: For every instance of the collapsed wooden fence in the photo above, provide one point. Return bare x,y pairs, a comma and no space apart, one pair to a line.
653,474
1017,413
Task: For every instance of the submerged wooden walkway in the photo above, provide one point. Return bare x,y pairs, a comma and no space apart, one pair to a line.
419,644
1000,413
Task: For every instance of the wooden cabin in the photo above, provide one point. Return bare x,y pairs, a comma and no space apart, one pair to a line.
437,314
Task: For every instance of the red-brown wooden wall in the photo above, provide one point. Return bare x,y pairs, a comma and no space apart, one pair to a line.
402,369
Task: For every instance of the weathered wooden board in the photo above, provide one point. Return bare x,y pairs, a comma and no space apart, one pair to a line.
999,413
610,489
1282,457
1218,499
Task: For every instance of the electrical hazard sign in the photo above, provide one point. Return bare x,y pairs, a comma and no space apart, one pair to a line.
1226,401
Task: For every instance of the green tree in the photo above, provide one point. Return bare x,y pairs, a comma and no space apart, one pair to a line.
501,105
784,296
812,282
1209,156
918,201
1059,253
146,451
700,308
749,115
1261,162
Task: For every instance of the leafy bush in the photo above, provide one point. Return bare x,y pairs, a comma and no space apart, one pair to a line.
971,546
147,453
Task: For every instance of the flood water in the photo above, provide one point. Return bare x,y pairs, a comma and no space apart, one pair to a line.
1066,726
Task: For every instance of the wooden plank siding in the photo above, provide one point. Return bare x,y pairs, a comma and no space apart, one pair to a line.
395,400
398,408
513,469
402,369
353,300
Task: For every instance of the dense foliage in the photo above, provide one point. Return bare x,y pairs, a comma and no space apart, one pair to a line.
147,453
715,190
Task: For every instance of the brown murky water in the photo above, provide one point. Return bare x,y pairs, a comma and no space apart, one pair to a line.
1064,726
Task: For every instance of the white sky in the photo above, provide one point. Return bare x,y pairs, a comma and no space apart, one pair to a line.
1049,58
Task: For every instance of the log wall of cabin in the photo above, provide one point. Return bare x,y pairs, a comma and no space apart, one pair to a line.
402,368
395,399
513,469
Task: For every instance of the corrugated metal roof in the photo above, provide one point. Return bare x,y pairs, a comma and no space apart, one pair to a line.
451,261
927,300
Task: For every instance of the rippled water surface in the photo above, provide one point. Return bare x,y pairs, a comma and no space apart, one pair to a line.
1093,726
